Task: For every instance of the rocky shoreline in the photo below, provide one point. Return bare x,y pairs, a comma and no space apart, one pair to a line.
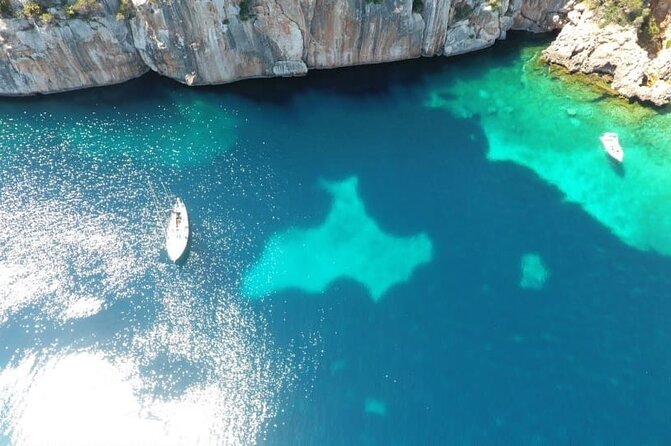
101,42
614,52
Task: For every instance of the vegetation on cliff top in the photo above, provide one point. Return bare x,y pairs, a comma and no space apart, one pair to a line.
5,8
636,13
84,8
32,10
622,12
47,18
125,10
246,11
80,8
494,4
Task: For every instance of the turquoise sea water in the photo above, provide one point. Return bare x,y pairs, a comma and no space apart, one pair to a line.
430,252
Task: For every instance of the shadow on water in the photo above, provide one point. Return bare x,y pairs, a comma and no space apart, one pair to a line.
376,81
356,81
364,119
134,92
617,167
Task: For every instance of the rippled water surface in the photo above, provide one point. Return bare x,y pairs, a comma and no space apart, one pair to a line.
431,252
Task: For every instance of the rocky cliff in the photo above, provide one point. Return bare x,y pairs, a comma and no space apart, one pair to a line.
66,54
55,47
589,45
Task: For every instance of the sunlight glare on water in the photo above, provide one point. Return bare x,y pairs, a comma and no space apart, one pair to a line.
182,361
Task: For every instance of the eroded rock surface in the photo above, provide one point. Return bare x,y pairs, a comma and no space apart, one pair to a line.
587,46
217,41
69,54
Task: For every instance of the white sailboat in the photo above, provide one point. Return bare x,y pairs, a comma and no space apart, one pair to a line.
177,233
611,143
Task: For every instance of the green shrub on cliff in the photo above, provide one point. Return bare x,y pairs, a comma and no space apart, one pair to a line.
622,12
5,8
651,27
245,10
634,13
32,10
84,8
650,34
125,10
47,18
417,6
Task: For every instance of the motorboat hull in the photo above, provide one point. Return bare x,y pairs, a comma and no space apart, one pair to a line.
611,144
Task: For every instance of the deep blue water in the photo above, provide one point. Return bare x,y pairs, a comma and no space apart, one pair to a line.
459,354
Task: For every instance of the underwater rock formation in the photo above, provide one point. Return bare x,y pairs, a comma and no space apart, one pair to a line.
534,272
349,244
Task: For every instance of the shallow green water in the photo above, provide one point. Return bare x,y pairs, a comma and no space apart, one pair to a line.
551,123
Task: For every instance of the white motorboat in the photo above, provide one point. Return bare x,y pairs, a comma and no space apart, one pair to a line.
177,233
611,143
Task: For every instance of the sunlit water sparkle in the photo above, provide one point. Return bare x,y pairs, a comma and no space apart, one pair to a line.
177,362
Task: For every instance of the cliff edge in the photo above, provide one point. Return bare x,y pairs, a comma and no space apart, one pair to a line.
632,52
52,46
47,50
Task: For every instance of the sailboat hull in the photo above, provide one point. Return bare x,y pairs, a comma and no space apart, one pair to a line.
177,233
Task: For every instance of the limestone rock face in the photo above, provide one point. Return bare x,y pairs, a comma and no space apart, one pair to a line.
217,41
223,40
477,31
436,16
490,20
205,42
357,32
541,15
75,54
612,50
